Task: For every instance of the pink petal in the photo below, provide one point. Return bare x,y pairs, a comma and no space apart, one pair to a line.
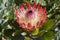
16,11
34,5
40,10
28,5
29,26
38,5
38,23
44,17
21,6
23,25
44,9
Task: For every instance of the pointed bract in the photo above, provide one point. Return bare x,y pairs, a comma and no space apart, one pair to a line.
21,6
44,9
28,5
38,5
34,5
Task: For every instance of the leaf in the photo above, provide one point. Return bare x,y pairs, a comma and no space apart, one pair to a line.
35,32
18,37
48,36
27,38
48,25
1,1
42,2
57,15
20,1
8,32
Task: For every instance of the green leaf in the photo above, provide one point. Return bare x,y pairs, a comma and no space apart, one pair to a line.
48,25
42,2
18,37
57,14
35,32
21,1
8,32
1,1
27,38
48,36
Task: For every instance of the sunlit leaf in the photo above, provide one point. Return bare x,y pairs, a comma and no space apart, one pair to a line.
35,32
27,38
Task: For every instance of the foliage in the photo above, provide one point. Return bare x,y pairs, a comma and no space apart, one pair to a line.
10,30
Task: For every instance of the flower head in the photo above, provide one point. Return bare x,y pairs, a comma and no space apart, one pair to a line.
30,17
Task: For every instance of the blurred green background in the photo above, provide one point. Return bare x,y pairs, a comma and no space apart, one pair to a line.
10,30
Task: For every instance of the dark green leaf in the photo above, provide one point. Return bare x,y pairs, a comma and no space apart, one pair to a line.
48,25
8,32
48,36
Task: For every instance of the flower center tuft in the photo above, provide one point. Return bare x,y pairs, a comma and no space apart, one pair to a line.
30,14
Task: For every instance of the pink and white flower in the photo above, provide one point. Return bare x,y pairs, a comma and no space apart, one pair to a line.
30,17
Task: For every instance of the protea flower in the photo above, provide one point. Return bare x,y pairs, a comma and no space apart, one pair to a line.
30,17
